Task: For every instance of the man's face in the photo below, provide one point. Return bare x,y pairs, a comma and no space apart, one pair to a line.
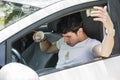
71,38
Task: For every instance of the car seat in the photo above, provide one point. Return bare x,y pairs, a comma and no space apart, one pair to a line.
94,29
39,59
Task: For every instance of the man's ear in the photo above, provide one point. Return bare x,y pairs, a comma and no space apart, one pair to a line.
80,30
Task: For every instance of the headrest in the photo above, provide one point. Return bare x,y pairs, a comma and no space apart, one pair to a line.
93,29
52,26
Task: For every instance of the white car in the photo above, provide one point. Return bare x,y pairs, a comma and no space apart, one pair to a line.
19,19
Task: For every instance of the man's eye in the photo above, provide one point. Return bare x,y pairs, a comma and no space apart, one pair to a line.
68,36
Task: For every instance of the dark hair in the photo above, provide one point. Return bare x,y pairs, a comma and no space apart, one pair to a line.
73,22
70,23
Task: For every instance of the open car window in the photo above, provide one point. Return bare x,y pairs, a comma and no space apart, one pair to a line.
40,61
28,51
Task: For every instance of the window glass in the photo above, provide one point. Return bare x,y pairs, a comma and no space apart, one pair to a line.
2,54
12,12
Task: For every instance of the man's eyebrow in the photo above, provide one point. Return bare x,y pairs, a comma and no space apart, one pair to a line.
67,36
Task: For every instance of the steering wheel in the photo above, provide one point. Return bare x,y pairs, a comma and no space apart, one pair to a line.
17,57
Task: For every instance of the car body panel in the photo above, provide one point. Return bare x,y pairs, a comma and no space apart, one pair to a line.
107,69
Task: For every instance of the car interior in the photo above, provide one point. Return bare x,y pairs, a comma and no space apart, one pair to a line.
29,53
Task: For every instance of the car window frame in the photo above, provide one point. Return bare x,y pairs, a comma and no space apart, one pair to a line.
48,19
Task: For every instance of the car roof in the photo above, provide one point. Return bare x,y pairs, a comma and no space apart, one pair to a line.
38,15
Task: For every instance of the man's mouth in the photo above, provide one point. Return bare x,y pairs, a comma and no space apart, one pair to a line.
69,44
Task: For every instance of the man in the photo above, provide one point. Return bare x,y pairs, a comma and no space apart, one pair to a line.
76,46
17,71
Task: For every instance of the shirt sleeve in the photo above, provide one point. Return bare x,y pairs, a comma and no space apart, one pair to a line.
94,43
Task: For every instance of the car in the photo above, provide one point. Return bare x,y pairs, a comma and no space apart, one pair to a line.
19,20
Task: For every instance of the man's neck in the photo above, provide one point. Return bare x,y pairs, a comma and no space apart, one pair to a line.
84,37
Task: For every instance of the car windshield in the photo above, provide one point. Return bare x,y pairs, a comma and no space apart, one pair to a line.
37,3
11,12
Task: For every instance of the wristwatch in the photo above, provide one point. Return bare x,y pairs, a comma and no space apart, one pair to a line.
111,33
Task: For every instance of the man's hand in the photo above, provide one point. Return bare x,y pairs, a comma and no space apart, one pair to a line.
39,36
101,14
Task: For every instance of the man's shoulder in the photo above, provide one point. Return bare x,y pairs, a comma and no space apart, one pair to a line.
94,40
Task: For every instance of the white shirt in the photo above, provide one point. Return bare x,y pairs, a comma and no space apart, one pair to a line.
80,53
